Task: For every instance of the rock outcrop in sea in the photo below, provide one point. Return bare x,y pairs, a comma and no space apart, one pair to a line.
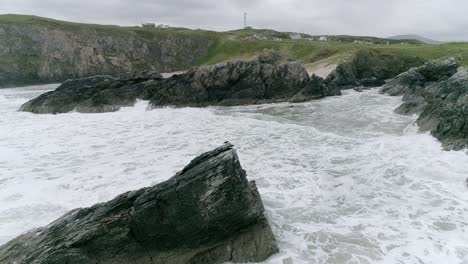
438,92
94,94
266,79
369,68
207,213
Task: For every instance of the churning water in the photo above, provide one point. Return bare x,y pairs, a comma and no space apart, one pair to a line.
343,180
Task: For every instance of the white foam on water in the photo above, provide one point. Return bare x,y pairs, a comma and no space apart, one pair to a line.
343,180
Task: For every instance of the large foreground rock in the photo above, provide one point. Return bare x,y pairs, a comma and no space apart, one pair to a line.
206,213
266,79
438,92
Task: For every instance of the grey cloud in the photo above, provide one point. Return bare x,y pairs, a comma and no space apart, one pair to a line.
433,18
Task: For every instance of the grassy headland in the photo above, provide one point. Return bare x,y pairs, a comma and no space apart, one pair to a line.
36,49
306,51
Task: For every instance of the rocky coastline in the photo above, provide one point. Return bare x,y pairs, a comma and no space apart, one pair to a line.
266,79
437,90
369,68
438,93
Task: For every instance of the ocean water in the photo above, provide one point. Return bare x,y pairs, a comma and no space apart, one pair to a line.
343,179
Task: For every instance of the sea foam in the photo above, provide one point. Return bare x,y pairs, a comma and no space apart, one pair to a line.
343,179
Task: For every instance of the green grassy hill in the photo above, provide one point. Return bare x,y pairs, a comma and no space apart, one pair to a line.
36,49
307,51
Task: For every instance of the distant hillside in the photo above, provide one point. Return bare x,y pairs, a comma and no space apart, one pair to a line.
269,34
416,37
41,50
369,40
36,50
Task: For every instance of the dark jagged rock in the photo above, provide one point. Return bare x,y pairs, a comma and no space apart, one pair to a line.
140,76
344,76
315,89
266,79
369,68
231,83
438,92
91,95
432,71
371,82
207,213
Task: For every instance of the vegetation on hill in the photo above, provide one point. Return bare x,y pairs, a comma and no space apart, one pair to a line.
41,50
36,49
108,29
306,51
417,37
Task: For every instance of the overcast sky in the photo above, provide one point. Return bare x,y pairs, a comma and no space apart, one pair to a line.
438,19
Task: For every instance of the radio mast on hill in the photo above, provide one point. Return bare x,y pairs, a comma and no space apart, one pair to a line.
245,19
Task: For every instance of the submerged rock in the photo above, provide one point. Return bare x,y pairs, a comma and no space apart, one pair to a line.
438,92
266,79
206,213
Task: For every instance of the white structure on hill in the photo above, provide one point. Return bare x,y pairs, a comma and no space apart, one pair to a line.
323,38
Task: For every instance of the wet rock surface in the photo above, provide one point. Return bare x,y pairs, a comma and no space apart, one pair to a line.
438,92
316,88
95,94
266,79
206,213
369,68
269,78
231,83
